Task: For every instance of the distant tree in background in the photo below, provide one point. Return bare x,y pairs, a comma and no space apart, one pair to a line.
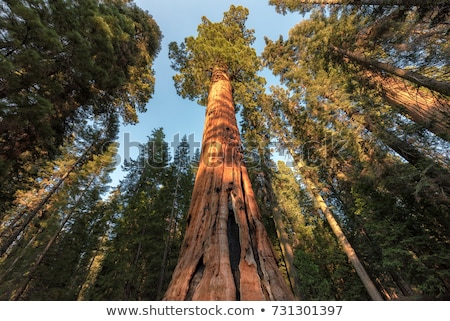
147,227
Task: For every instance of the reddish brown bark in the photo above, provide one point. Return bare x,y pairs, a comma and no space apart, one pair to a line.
226,253
442,87
375,2
424,108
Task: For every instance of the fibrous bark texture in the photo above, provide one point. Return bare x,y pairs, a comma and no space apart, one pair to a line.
226,253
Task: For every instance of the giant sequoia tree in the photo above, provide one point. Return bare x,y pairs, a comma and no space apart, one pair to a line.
226,253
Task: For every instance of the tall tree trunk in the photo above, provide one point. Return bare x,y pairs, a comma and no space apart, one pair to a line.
420,105
226,253
442,87
376,2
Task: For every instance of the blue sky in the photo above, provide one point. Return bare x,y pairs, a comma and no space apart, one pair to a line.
178,19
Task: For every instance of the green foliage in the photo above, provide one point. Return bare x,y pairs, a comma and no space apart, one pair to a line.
52,255
320,263
147,227
63,62
225,44
392,208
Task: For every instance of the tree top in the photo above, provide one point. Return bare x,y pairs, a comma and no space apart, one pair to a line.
226,45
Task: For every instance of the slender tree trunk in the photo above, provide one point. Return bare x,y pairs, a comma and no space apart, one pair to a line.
433,170
288,253
442,87
30,274
226,253
8,240
18,294
342,239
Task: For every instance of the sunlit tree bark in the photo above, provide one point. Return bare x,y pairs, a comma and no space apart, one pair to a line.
442,87
428,110
226,253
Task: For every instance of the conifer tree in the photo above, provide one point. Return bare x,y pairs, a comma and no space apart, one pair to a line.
30,203
64,62
349,133
149,208
226,253
53,250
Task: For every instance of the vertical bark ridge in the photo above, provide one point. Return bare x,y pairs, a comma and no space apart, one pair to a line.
251,286
195,280
273,284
